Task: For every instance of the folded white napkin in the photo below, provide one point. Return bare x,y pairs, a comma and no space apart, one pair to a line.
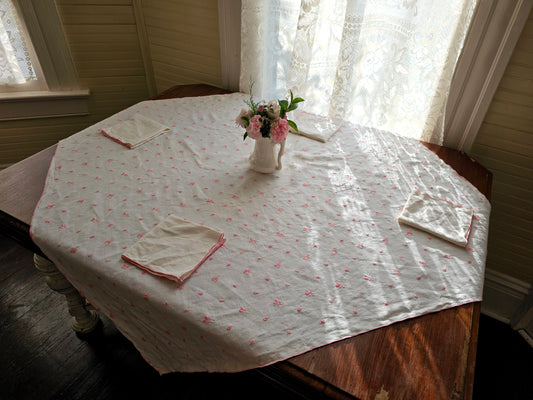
174,248
134,131
441,218
314,126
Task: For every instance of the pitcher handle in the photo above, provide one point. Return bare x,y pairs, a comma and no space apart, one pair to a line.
280,153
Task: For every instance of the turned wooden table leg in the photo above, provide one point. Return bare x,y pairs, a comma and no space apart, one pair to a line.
83,320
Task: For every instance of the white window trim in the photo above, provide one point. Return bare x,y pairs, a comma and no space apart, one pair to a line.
43,104
495,29
144,43
229,25
64,97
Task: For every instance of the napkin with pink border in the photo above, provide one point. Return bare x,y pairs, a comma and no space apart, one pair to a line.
174,248
134,131
313,126
440,217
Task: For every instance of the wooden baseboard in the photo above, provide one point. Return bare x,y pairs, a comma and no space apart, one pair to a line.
502,295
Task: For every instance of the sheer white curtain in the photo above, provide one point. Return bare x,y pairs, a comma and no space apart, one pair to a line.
15,64
387,64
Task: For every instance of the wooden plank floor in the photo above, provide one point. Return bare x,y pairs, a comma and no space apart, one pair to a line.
42,358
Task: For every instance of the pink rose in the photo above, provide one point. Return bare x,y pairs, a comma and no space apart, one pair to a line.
279,130
244,113
273,109
253,129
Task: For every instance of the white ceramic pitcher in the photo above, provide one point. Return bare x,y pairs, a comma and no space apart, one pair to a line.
264,158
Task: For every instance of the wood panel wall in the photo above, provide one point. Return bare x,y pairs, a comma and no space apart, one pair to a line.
504,145
184,41
104,43
103,40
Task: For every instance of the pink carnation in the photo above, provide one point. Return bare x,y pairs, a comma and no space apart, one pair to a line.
253,129
279,130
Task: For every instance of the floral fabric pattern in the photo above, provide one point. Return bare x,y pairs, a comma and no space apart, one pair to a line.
313,254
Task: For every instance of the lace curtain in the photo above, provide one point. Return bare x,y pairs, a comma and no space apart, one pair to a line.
387,64
15,63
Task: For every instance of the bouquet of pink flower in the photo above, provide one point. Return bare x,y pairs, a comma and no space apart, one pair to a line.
268,120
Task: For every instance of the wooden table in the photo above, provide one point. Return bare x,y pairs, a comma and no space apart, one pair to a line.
430,357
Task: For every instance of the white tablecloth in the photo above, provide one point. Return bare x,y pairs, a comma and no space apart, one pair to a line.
314,252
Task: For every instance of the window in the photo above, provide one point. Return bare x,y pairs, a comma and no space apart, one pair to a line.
43,81
494,30
18,64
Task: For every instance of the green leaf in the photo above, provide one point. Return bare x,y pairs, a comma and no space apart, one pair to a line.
293,125
297,100
283,104
245,136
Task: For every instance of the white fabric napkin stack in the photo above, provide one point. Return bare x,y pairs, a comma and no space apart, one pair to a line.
441,218
134,131
174,248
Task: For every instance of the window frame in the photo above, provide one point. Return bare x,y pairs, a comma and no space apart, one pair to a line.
229,25
63,95
490,42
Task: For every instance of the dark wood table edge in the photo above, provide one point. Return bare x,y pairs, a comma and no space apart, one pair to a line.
292,378
285,373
